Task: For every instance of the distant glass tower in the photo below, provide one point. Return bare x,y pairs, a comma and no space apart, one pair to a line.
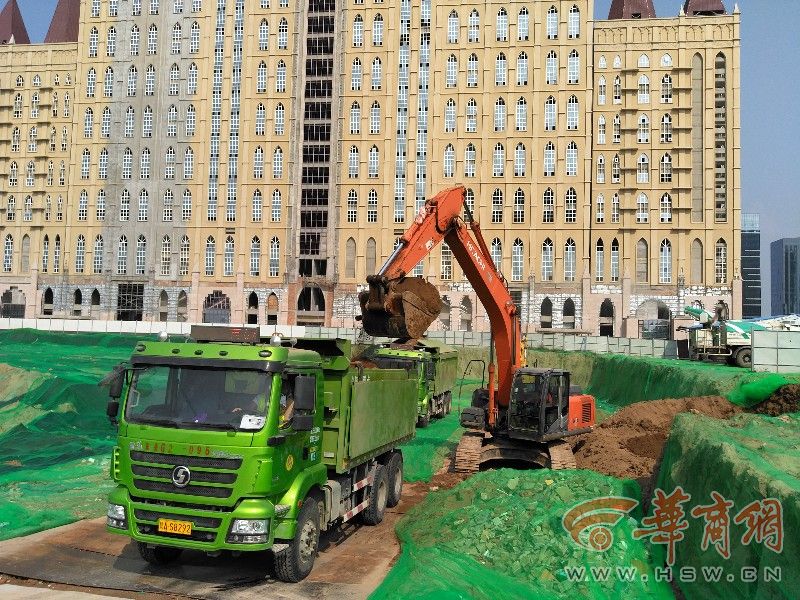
751,266
785,254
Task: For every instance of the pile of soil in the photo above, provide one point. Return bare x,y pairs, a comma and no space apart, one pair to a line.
629,444
785,400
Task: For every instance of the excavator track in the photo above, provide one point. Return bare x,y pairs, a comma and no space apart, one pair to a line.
561,456
467,458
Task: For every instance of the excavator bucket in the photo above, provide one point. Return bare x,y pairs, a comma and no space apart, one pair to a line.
399,308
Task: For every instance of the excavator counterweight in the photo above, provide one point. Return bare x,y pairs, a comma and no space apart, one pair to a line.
399,308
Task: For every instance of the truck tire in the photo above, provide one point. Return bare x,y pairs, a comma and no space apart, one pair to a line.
295,563
159,555
744,357
394,469
378,495
424,420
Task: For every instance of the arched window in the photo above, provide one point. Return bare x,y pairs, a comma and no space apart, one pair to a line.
211,255
666,89
574,23
600,214
194,38
643,169
228,257
599,261
523,24
377,74
186,206
572,113
474,24
644,89
350,258
601,90
257,207
356,76
450,116
283,34
152,39
451,75
144,209
472,70
519,206
258,163
446,263
372,208
497,206
665,170
277,206
517,260
550,114
274,257
548,206
617,90
666,129
261,77
644,61
498,160
358,31
721,262
471,125
642,209
520,160
551,68
352,162
615,169
522,69
696,260
521,120
373,162
280,79
452,27
501,70
263,35
166,256
572,159
177,38
8,253
141,254
169,201
501,27
255,256
449,161
614,260
552,23
547,260
183,257
549,159
375,118
500,115
644,129
601,169
352,206
280,118
496,251
665,262
469,160
573,67
355,118
377,31
571,206
546,311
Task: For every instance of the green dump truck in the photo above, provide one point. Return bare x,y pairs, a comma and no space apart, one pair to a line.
227,442
435,366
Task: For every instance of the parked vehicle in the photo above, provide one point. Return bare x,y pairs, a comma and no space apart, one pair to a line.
227,442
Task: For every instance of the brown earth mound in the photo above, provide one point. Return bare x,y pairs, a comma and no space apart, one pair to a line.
785,400
629,444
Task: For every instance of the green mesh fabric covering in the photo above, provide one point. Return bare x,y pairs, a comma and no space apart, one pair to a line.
618,380
55,440
499,535
748,458
425,454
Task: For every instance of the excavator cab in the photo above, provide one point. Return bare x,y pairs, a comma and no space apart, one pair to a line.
539,405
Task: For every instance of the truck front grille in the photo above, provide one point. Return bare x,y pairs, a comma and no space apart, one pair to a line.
189,490
153,517
159,470
187,461
200,476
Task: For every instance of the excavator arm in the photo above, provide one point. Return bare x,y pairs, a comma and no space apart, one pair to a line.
400,306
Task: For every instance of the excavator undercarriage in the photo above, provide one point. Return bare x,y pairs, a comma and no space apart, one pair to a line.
479,449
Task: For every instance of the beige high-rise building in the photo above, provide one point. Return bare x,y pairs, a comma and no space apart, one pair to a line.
254,161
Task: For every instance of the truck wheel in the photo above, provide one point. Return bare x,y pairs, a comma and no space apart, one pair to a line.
378,495
295,563
159,555
744,358
424,420
395,474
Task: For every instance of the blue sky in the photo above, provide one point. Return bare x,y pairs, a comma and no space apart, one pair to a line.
770,123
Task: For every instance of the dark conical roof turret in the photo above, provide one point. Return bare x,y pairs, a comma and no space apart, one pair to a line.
12,26
704,7
64,26
632,9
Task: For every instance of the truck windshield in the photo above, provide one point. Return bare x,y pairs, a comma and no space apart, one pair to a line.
199,398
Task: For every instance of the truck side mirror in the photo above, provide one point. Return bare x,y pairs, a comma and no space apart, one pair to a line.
112,410
115,386
305,394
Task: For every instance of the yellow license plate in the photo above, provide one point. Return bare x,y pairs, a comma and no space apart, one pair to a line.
179,527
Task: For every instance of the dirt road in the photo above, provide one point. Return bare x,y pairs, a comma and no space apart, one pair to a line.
353,560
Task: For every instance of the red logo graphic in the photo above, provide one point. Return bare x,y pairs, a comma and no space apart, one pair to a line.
589,523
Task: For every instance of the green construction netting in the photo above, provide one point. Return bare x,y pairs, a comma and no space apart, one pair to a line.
499,534
425,454
618,380
746,459
55,439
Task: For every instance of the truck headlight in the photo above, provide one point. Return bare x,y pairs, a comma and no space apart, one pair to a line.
249,531
116,516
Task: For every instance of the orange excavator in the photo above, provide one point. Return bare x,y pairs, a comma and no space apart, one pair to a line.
523,419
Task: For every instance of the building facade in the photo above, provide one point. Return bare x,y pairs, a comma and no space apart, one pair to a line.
785,276
751,266
254,161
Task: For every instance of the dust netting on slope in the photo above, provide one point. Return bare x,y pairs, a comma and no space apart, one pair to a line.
499,534
753,463
55,438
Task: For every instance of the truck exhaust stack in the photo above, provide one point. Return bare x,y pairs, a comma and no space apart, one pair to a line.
399,308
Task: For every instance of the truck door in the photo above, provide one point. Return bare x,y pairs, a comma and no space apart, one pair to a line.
292,456
556,403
